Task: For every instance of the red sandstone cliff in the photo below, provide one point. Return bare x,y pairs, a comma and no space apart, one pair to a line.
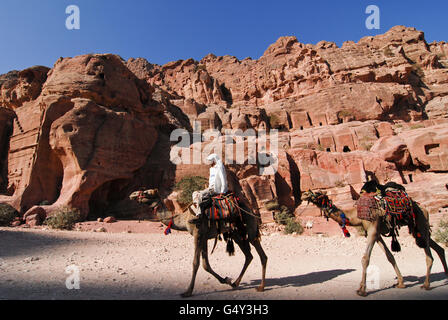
93,128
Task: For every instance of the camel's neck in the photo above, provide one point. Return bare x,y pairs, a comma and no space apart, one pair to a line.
335,215
180,221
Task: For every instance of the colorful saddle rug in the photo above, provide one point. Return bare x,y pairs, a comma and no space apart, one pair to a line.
367,207
223,207
398,203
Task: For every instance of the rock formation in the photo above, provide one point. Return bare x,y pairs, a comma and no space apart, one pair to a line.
95,127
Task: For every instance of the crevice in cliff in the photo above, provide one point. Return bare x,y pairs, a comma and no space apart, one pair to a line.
295,180
227,94
5,139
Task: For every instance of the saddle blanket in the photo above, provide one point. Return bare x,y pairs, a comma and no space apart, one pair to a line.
398,203
223,206
367,207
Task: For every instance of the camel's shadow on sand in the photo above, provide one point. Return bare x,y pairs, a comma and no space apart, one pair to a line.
323,276
292,281
300,280
418,281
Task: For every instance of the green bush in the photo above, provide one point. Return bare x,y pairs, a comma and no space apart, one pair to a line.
388,52
64,219
187,186
7,215
293,226
441,234
272,205
286,218
416,126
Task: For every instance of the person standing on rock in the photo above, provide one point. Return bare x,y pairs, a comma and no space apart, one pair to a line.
217,184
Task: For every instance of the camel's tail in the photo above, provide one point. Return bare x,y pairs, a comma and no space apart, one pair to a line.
230,249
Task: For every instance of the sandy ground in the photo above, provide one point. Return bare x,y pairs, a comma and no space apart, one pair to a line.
150,265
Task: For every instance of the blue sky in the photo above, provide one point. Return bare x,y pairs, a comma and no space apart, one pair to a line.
34,33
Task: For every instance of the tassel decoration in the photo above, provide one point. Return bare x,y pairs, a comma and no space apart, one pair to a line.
168,229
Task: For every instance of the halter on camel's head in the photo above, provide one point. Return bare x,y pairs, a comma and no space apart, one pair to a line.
322,201
149,197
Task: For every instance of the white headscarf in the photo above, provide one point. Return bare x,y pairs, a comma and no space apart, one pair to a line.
218,177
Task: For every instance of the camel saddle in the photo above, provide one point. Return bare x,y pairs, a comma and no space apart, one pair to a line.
222,207
396,204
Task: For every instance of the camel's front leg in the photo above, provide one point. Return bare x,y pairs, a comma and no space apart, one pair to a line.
197,252
391,259
208,268
371,239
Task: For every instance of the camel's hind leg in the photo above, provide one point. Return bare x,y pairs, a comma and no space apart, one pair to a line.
429,261
440,253
198,243
391,259
208,268
371,239
264,259
245,247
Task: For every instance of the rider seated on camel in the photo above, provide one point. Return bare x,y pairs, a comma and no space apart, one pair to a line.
217,185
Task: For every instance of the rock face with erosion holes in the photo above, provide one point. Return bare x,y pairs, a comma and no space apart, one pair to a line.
94,128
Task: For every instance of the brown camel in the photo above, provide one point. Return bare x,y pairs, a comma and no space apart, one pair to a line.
375,230
202,232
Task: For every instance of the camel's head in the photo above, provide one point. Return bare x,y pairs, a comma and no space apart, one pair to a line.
311,196
371,186
149,197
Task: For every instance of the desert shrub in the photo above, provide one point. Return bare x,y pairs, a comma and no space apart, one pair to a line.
441,234
388,52
199,67
345,113
293,226
64,218
272,205
187,186
416,126
441,56
286,218
320,147
339,184
7,215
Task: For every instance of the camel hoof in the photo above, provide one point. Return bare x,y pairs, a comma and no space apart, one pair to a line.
186,294
260,289
426,287
361,293
228,281
400,286
235,285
